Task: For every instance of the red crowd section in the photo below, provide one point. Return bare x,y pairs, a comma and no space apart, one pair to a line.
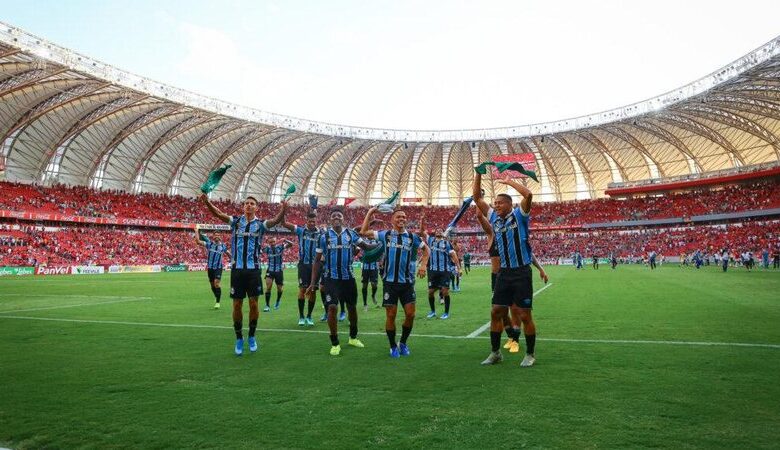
28,243
92,244
83,201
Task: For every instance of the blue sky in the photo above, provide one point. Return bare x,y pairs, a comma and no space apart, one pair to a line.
411,64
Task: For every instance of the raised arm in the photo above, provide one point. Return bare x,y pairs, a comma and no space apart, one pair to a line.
364,231
476,194
287,244
485,224
525,204
198,240
214,210
455,259
270,223
288,225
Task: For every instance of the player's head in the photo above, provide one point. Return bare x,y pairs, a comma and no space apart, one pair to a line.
250,205
311,220
336,218
216,238
398,219
271,240
438,233
502,204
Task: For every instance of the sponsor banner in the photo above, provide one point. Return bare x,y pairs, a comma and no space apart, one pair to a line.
412,199
16,270
36,216
175,268
526,159
87,270
52,270
134,269
196,267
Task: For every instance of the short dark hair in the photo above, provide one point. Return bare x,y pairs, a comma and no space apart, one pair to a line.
311,215
336,210
397,211
250,197
507,196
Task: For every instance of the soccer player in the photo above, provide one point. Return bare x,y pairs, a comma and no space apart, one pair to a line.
613,260
246,239
513,288
214,251
336,248
467,262
275,272
398,280
308,239
369,273
724,259
651,258
595,258
442,258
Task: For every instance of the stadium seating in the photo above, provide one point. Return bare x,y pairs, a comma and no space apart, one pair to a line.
29,243
87,202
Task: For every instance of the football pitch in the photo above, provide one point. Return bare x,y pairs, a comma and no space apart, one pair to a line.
629,358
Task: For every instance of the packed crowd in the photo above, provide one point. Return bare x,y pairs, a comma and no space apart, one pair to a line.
112,204
22,244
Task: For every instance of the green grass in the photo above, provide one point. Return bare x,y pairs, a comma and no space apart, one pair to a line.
108,379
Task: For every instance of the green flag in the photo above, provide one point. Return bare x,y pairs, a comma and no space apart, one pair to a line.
214,178
392,198
482,168
517,167
388,205
290,190
374,254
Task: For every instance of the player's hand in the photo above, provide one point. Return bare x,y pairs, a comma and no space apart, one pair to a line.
421,272
543,274
310,289
203,198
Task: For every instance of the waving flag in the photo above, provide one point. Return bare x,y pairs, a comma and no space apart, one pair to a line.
214,178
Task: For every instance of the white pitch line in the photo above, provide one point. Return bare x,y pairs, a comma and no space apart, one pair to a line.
434,336
484,327
46,308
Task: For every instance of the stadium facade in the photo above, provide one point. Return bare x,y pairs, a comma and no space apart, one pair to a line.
67,118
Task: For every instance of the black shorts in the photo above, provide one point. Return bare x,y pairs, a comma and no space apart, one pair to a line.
278,277
398,292
340,290
493,251
369,275
513,286
304,275
467,265
245,283
215,274
438,279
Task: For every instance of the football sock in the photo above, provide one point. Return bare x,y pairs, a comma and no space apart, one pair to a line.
495,340
252,327
237,328
391,337
373,292
334,339
268,298
310,308
530,343
446,304
364,291
300,306
218,293
405,332
432,301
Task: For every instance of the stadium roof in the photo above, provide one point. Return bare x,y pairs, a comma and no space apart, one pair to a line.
67,118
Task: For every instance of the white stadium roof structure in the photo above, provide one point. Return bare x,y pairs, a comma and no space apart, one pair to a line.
67,118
